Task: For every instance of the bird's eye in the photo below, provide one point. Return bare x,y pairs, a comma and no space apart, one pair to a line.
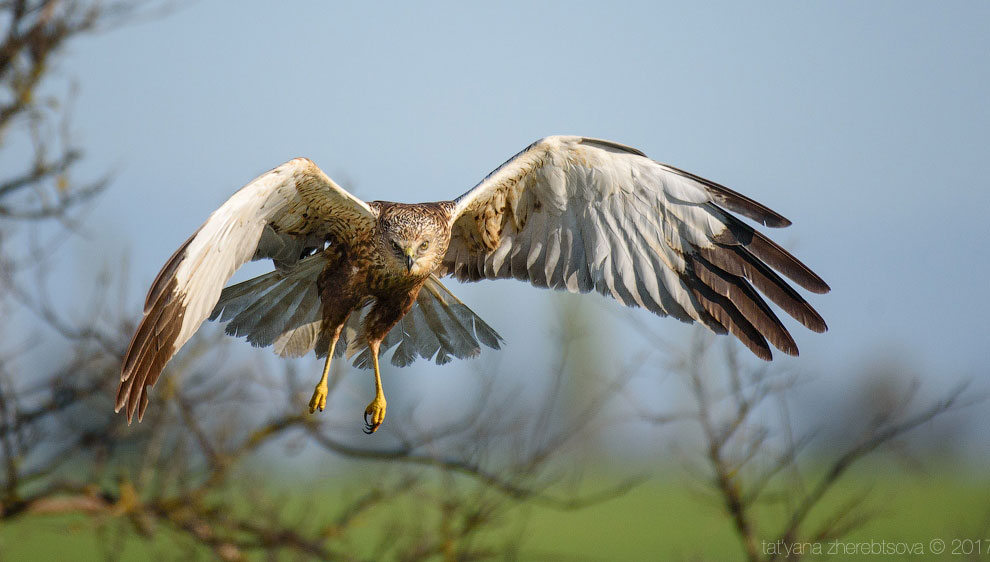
396,247
424,246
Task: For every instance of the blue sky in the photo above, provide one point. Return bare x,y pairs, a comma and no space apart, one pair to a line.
866,124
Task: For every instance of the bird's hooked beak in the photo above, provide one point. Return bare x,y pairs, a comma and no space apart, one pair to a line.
410,260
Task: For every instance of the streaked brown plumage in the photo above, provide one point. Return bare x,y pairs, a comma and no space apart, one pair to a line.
569,213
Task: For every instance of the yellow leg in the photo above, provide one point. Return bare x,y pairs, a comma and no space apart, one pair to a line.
319,399
374,414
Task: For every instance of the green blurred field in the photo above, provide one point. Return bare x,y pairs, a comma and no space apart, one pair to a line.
660,520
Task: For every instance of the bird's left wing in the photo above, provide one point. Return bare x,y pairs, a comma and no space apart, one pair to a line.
578,214
281,215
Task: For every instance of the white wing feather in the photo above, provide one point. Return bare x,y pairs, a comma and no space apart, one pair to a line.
578,214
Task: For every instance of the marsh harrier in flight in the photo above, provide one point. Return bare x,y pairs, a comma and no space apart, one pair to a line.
570,213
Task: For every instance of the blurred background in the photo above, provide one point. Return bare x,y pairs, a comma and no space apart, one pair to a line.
596,433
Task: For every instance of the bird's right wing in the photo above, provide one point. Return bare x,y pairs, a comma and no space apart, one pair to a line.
279,215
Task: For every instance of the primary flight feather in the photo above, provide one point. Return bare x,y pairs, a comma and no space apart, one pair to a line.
571,213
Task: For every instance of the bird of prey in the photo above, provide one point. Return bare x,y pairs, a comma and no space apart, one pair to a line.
567,212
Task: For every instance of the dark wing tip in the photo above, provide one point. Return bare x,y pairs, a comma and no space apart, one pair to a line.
743,306
738,260
735,201
765,249
724,312
150,349
612,145
167,274
821,288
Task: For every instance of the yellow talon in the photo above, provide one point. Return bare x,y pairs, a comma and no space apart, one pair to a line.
374,414
376,410
319,399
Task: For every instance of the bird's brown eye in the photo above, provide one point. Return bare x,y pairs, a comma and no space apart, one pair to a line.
424,246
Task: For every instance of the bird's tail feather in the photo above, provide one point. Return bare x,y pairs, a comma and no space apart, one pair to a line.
438,327
282,309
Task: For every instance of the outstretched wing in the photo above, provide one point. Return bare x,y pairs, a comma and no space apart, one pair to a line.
282,215
578,214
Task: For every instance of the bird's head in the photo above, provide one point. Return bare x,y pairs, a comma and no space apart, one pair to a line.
414,241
